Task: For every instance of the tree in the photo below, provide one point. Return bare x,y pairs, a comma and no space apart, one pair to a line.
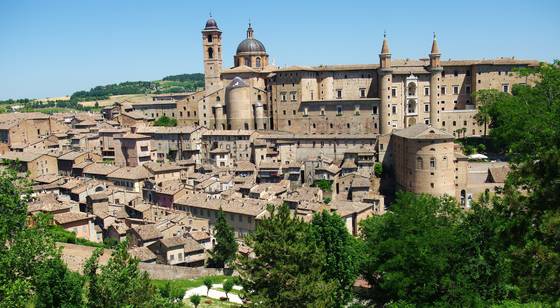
31,271
119,283
287,270
341,251
484,99
413,250
208,283
195,300
226,247
165,121
228,286
378,170
324,185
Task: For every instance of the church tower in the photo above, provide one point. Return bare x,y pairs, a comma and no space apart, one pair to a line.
435,79
385,81
212,48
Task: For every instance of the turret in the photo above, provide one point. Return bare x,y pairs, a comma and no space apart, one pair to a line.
385,82
212,48
435,81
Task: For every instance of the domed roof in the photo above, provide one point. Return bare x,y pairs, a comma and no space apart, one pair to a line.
211,24
250,45
237,82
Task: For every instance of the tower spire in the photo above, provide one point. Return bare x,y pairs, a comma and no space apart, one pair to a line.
435,47
250,30
385,47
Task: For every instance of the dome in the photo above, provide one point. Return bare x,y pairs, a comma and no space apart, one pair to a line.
250,45
211,24
237,82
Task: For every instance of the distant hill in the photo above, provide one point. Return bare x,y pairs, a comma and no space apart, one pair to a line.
169,84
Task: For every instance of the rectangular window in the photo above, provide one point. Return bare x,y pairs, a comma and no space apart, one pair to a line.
455,89
374,110
362,92
394,124
394,92
505,88
293,96
338,110
283,97
394,109
426,91
305,112
339,93
443,90
427,121
322,111
426,107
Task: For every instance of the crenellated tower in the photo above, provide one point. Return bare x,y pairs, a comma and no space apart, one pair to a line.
385,81
212,48
435,80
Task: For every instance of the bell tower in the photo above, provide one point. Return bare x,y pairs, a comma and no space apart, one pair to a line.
212,49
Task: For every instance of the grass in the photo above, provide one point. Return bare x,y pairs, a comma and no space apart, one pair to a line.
186,284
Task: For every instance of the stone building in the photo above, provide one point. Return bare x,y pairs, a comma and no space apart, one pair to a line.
333,99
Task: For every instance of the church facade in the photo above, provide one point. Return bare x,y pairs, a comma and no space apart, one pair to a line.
341,99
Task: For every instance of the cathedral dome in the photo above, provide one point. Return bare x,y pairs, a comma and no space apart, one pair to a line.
250,45
211,24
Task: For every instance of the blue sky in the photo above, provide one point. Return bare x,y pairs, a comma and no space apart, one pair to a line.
53,48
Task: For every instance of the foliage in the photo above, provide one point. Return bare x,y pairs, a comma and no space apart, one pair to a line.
185,284
31,270
228,286
61,235
165,121
118,283
378,170
195,300
327,200
288,268
208,284
484,101
226,247
342,251
324,185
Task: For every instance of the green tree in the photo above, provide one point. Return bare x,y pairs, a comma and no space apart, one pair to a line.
324,185
228,286
225,250
378,170
208,283
195,300
118,283
287,270
342,253
484,100
165,121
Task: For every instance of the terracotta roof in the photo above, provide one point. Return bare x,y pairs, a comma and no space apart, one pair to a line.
200,235
133,136
68,217
162,167
423,131
100,169
147,232
130,173
498,174
21,156
143,254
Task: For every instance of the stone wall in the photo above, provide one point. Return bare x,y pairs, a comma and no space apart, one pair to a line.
170,272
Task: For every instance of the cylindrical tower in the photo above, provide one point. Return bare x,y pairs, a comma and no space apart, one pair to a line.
260,119
385,82
435,78
221,121
239,108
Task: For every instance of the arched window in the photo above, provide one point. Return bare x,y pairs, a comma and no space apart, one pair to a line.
433,163
412,89
248,62
419,163
258,62
210,53
209,38
217,98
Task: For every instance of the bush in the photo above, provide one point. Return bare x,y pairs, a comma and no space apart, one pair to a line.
324,185
327,200
378,169
481,147
165,121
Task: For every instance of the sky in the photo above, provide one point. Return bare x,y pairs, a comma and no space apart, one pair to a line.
54,48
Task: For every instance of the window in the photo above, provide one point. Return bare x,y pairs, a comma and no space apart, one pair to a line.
432,163
505,88
248,62
427,121
362,92
210,53
419,163
283,97
374,110
322,111
305,112
426,107
339,93
357,110
293,96
454,123
171,257
258,62
426,91
338,110
455,73
443,90
284,111
412,89
394,109
209,38
455,89
443,123
289,123
144,148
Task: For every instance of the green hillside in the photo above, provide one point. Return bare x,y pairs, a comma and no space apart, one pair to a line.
169,84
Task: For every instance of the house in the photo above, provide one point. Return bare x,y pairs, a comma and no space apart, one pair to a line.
144,254
129,178
143,235
133,150
78,222
68,160
179,250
